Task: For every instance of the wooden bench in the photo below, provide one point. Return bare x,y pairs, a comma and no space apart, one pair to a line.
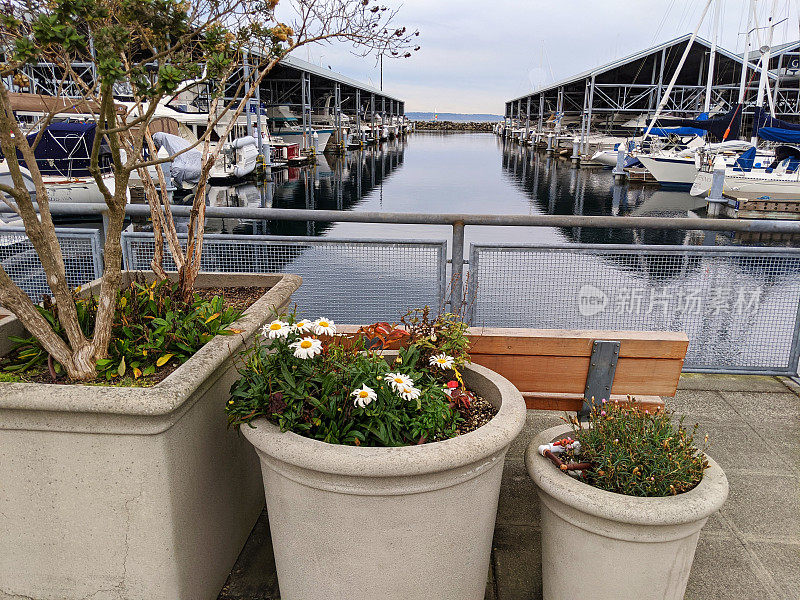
553,367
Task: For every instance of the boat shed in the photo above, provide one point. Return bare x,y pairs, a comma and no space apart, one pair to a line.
620,96
303,86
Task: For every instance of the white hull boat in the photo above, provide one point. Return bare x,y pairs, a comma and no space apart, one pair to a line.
295,136
753,185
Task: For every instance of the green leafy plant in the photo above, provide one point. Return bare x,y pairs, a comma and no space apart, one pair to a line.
638,453
344,390
443,334
152,327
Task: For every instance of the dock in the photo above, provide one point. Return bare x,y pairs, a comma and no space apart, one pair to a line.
743,208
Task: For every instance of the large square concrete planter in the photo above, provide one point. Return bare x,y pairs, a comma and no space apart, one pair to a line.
130,493
409,523
606,546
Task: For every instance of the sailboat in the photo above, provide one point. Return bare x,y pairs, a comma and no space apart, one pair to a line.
678,167
750,178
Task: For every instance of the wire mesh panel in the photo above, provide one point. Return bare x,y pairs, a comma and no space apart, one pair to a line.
351,281
83,259
739,306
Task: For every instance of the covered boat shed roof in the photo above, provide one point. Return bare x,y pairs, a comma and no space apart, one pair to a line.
632,86
620,63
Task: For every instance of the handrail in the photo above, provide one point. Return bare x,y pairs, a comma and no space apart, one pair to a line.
293,214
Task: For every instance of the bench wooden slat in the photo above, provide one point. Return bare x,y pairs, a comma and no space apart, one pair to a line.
567,374
567,342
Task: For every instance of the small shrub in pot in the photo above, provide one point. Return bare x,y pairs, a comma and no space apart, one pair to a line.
625,498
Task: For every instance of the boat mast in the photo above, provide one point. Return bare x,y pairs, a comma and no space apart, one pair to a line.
712,56
764,65
746,55
663,102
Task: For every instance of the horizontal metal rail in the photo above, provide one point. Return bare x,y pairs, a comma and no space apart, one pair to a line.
292,214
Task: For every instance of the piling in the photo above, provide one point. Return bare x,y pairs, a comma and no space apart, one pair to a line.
576,151
550,145
715,199
619,170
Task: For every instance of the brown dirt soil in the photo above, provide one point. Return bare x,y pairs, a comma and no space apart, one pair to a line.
478,414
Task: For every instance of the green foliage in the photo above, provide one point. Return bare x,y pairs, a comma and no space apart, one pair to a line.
314,397
638,453
151,328
441,334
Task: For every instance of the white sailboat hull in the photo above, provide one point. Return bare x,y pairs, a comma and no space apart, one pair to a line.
607,158
671,170
751,186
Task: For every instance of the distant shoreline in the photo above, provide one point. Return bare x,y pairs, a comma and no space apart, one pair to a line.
473,126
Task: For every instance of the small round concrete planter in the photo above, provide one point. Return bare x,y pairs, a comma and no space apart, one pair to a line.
135,493
605,546
407,523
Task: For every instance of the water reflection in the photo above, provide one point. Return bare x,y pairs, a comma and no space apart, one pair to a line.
331,183
464,173
557,187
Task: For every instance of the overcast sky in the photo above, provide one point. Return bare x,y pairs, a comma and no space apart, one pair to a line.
476,54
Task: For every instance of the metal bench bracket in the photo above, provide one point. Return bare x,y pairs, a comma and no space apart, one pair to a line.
602,367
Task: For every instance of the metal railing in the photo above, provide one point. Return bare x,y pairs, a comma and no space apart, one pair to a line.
691,254
369,280
80,248
738,305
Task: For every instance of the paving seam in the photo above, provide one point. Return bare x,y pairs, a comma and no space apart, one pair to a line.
761,573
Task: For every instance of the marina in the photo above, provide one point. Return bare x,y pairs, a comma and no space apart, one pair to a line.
268,334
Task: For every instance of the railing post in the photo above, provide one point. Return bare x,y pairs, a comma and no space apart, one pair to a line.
457,281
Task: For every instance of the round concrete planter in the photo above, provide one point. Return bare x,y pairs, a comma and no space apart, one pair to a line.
408,523
605,546
135,493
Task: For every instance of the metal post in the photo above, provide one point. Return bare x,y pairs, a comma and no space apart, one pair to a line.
576,151
541,117
777,85
550,149
303,102
358,117
372,109
457,280
589,113
715,199
383,117
584,136
259,133
247,92
619,169
337,101
528,122
559,110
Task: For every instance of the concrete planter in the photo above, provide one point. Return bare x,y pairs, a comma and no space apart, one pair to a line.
408,523
605,546
134,493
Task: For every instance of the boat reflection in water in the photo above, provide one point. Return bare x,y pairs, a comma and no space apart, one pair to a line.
556,187
331,183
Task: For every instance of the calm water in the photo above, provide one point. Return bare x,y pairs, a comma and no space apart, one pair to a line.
458,173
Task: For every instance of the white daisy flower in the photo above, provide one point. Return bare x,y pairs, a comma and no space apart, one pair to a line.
276,329
303,326
398,380
442,361
409,392
324,326
364,395
308,347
